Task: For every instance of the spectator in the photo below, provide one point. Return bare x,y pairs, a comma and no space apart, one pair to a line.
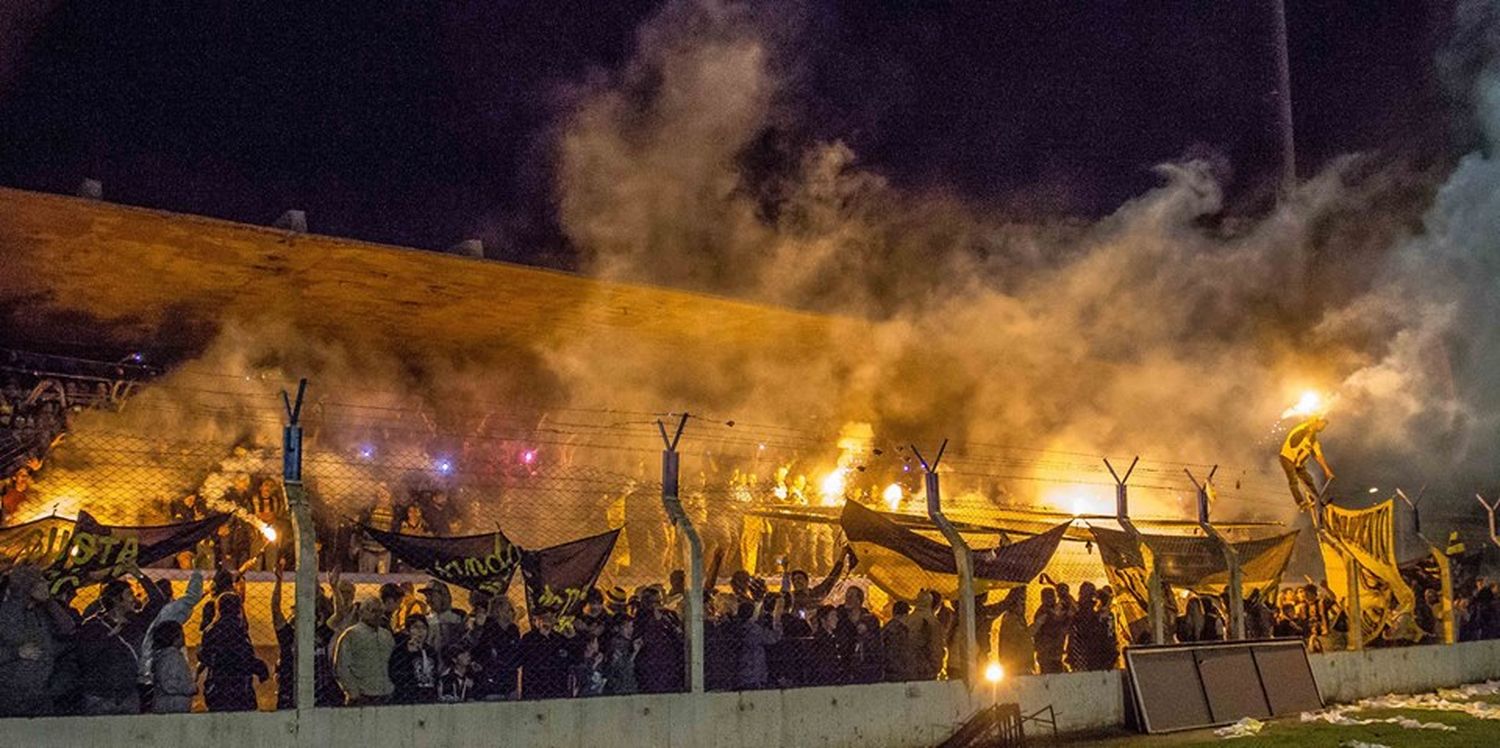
1190,624
494,642
173,684
269,505
371,556
805,598
619,660
859,639
659,657
325,687
546,659
1049,630
1016,653
1109,652
392,597
109,664
361,657
176,611
460,676
755,634
930,634
414,665
448,624
901,656
33,630
587,673
1288,625
821,666
228,659
414,523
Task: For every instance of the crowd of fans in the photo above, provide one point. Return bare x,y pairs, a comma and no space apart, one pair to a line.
125,651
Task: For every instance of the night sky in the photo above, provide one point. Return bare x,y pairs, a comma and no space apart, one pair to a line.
420,124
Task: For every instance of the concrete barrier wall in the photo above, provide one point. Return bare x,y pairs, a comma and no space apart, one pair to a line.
896,715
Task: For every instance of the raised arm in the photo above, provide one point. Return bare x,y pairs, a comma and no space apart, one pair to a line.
278,618
821,589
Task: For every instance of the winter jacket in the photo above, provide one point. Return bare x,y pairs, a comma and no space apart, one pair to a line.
173,685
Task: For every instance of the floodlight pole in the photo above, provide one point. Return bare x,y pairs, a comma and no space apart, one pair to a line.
306,578
1236,591
1156,610
693,605
963,559
1439,556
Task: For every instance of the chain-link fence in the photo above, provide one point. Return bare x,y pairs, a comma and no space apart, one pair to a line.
148,544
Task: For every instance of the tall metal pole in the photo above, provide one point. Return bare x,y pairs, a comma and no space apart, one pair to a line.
693,605
1284,100
963,559
1235,591
306,579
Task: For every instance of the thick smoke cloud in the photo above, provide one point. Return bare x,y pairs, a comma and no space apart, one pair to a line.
1170,328
1165,329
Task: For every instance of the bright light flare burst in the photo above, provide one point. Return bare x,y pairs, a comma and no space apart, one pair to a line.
1310,404
892,496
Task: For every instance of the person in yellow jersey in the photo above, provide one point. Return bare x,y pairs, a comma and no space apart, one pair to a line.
1301,445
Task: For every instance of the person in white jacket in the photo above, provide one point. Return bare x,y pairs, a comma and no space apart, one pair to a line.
173,683
178,610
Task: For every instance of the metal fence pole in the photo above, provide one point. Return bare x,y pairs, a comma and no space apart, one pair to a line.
963,559
693,605
1155,609
306,579
1440,557
1352,606
1235,591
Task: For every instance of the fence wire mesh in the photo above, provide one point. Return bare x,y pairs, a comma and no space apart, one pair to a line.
577,586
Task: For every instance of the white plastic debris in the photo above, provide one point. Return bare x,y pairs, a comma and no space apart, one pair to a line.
1361,744
1339,715
1242,729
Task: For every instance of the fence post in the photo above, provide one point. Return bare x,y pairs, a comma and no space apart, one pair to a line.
1236,591
963,559
1440,557
693,605
1352,606
1490,510
306,580
1156,613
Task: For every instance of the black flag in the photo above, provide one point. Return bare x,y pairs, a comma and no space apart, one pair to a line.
474,562
557,578
84,551
903,563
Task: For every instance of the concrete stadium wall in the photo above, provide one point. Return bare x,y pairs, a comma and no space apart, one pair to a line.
879,716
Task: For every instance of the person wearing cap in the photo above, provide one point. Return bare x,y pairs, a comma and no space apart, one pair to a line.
617,604
659,660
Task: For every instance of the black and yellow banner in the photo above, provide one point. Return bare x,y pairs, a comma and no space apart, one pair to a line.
558,577
1190,563
84,551
1368,537
903,563
484,563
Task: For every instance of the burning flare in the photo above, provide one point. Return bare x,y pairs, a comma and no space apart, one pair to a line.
1310,404
892,496
832,488
268,531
